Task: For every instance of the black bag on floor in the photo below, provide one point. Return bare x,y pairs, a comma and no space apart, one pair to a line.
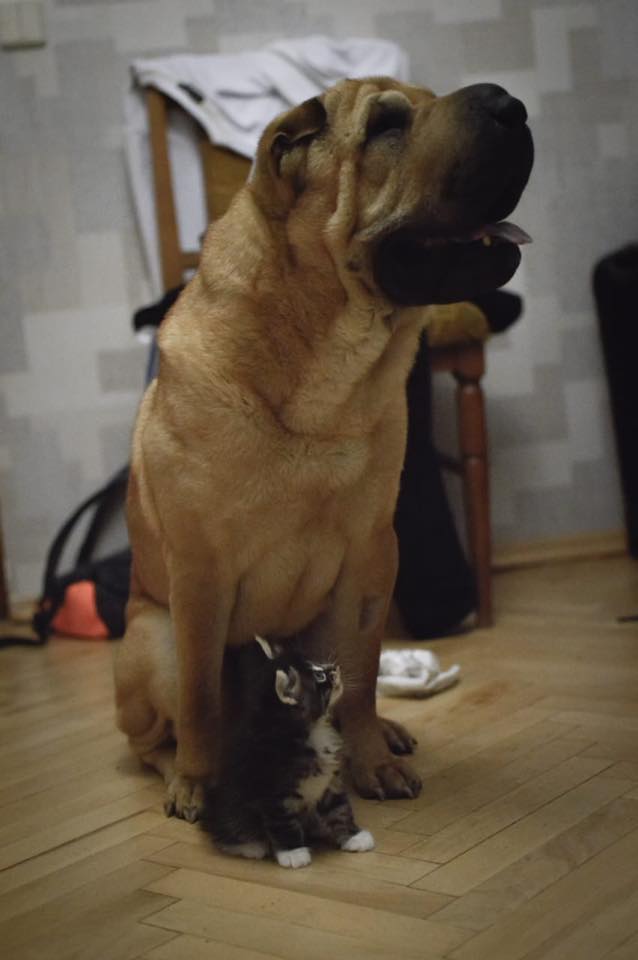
89,600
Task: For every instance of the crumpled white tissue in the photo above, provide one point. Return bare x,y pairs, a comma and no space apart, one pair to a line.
413,673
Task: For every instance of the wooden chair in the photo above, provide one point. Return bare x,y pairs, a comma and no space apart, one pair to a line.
224,172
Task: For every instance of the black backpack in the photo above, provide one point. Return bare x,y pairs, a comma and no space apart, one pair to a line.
89,600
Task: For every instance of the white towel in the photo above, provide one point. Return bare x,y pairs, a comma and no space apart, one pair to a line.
233,97
413,673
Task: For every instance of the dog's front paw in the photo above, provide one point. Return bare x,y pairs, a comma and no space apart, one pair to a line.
299,857
184,798
398,739
391,778
359,842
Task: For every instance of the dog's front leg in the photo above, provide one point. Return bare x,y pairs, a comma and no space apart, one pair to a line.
354,629
376,771
200,609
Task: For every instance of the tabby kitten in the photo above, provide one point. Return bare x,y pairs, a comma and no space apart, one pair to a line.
279,788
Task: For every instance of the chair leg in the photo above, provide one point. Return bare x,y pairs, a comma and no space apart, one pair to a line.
475,473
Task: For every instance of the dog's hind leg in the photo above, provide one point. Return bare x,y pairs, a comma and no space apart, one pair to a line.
146,699
201,607
144,673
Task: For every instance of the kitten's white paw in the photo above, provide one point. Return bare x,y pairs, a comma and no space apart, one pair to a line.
253,850
359,842
299,857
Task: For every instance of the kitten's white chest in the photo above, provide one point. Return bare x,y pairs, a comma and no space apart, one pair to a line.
326,743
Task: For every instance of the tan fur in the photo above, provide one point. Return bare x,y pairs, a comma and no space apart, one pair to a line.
267,454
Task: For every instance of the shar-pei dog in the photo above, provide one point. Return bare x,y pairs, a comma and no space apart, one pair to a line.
268,451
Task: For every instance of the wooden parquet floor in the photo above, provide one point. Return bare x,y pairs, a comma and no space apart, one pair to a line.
524,843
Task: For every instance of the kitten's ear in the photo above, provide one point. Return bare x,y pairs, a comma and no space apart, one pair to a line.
265,646
288,686
271,650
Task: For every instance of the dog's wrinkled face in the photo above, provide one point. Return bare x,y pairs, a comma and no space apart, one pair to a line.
419,184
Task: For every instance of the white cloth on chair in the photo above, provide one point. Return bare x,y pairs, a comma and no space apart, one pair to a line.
232,97
413,673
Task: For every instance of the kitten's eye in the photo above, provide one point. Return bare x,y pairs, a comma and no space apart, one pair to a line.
319,674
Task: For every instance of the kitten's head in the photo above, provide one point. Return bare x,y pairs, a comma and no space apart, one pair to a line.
310,688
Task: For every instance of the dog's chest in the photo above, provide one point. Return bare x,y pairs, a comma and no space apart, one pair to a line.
286,585
326,743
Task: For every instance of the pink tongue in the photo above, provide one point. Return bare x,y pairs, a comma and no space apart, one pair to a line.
506,231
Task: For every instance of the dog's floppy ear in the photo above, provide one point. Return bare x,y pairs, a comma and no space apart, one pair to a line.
390,112
283,144
288,686
298,125
280,166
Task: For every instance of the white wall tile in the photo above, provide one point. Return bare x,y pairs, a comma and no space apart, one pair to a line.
552,28
466,11
587,408
612,139
535,466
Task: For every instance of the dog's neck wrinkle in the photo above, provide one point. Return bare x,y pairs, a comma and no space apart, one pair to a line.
337,367
338,337
320,345
306,352
228,262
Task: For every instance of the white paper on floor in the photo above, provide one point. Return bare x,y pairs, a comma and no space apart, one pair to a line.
413,673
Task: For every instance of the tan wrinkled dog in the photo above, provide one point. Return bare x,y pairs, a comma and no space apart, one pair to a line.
267,454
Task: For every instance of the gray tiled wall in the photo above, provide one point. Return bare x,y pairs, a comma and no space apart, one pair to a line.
71,270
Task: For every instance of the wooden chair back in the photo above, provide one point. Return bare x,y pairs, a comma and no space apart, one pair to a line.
224,172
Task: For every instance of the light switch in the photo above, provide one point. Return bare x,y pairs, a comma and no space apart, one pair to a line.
22,24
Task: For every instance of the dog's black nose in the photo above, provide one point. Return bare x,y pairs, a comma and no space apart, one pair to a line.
508,110
505,109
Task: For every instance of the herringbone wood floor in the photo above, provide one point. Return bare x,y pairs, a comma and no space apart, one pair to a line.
524,843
